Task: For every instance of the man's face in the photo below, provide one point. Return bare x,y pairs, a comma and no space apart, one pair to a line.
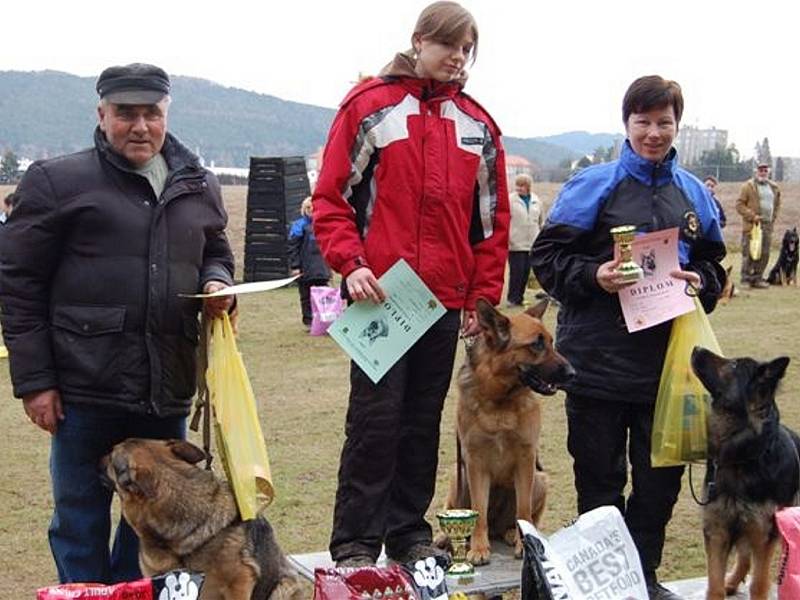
651,133
712,187
762,173
136,131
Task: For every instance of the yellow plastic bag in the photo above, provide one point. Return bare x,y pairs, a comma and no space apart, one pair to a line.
756,235
238,432
682,405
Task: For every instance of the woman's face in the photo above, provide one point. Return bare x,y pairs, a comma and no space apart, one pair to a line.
440,61
522,188
651,133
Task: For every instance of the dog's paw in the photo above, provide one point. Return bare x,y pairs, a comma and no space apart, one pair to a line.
479,555
510,537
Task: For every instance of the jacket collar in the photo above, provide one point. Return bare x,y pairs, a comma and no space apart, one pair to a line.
178,156
647,171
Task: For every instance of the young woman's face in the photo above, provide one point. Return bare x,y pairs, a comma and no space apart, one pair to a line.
440,61
651,133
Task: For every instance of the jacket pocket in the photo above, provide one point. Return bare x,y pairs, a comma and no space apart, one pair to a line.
88,344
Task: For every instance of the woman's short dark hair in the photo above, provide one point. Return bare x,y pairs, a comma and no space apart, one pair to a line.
711,178
649,92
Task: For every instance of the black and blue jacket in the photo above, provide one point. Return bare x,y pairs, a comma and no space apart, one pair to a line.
304,253
610,362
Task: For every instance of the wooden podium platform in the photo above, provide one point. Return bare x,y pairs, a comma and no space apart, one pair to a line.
503,575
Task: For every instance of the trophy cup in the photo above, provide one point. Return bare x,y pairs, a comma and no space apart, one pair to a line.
623,237
458,525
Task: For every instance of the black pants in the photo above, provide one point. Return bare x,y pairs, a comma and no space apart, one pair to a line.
519,268
387,472
599,432
304,287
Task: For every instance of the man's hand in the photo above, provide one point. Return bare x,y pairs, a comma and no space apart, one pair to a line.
757,219
469,323
294,272
362,285
609,278
215,307
44,409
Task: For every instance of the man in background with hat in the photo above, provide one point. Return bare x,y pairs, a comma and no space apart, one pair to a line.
101,345
759,202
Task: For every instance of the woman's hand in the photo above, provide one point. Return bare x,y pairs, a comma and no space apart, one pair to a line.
609,278
362,285
214,307
691,277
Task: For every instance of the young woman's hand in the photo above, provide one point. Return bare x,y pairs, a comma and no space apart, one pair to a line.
362,285
609,278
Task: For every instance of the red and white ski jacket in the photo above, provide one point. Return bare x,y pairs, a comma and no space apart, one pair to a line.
415,169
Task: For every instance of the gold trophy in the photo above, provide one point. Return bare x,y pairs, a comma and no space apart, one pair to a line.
623,237
458,524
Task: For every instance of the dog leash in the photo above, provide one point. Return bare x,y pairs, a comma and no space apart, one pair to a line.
203,402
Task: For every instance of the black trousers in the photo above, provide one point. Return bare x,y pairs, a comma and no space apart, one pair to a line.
599,433
304,287
519,269
387,472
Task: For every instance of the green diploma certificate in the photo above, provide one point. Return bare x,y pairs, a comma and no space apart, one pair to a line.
376,336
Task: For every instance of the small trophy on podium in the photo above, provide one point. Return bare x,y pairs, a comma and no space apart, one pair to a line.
458,525
623,238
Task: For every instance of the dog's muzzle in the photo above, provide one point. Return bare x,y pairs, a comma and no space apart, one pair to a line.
549,383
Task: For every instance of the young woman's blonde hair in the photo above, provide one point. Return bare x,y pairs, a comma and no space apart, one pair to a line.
524,179
446,22
305,207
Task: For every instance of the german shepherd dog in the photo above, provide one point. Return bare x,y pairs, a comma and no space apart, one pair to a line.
498,422
186,518
785,270
752,469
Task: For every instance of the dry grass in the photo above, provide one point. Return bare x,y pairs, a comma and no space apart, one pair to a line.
301,384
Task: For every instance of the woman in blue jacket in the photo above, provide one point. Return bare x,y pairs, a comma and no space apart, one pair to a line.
610,403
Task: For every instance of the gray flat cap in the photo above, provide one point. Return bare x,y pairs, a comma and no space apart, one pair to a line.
137,83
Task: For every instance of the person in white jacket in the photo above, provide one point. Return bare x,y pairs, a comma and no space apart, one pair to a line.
526,221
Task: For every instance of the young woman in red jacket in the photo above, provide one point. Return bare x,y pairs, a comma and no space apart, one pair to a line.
413,169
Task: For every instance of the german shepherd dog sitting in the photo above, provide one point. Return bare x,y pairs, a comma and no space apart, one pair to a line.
785,270
752,469
498,422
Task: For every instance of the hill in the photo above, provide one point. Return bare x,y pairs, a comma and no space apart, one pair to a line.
46,113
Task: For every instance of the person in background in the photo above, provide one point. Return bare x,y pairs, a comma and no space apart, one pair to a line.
711,184
8,206
413,169
305,259
611,402
759,201
100,248
526,220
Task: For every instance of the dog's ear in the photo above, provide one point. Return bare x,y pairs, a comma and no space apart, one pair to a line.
537,311
496,327
773,371
186,451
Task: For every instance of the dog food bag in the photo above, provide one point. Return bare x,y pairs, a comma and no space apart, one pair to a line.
788,521
544,575
175,585
428,578
326,306
600,556
364,582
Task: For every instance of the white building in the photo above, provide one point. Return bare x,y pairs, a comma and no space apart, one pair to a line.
692,142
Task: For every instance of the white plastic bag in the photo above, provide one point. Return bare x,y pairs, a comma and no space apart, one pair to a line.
595,557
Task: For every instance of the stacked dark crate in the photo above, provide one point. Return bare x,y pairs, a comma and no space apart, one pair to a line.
276,188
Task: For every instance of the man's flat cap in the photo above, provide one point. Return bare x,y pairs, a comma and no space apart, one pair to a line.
136,83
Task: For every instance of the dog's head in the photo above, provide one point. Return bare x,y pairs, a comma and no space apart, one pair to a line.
740,387
524,347
137,467
790,241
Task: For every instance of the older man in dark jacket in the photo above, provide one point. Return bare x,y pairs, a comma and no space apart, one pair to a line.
101,344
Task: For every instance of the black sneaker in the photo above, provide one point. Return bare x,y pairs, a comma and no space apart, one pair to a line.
656,591
422,550
355,562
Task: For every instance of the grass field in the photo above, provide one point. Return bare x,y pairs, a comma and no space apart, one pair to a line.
301,385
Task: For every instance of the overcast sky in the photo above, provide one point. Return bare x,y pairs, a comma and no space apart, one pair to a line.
544,66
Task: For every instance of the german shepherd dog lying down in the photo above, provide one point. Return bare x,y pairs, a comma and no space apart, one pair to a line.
186,518
785,270
498,421
752,469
